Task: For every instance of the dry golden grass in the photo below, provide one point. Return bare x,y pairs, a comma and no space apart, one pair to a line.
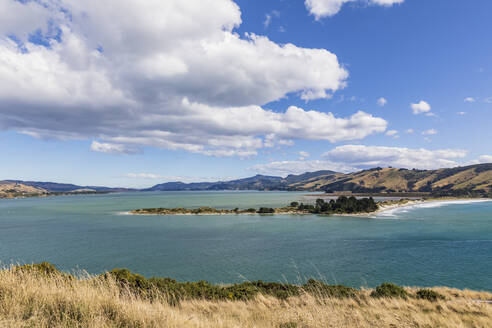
28,299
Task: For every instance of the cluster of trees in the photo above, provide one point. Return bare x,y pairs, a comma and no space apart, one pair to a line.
342,205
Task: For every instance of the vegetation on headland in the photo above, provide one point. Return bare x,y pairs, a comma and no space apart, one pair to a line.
343,205
41,296
19,189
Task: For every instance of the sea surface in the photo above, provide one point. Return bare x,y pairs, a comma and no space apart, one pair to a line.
434,244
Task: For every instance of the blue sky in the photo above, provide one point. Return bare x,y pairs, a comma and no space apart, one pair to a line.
142,94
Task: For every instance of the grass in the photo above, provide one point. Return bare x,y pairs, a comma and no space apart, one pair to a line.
40,296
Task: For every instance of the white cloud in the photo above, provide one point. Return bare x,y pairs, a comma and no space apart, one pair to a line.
485,159
326,8
110,148
382,101
429,132
410,131
284,168
421,107
22,19
269,17
304,154
470,99
371,156
351,158
149,176
130,75
267,21
461,113
165,178
392,133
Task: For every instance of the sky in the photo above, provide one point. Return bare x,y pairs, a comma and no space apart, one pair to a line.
135,93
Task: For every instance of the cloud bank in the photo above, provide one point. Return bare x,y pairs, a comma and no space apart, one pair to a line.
351,158
170,74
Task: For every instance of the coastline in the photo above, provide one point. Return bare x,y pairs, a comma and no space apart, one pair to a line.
383,206
410,203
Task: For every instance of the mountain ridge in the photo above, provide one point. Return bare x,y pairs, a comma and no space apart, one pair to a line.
461,180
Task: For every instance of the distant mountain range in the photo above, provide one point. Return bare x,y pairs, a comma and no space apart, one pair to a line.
258,182
455,181
60,187
466,180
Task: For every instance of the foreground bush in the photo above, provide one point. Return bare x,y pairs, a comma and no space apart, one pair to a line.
40,296
389,290
430,295
177,291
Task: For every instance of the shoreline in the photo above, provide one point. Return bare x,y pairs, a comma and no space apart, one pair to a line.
383,206
410,203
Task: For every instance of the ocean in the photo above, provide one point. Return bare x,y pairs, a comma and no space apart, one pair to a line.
432,244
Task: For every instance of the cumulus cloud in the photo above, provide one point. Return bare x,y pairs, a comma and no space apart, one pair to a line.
392,133
131,75
421,107
470,99
351,158
382,101
304,154
110,148
372,156
484,159
269,17
326,8
429,132
410,131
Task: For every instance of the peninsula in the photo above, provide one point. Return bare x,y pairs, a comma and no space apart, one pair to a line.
342,205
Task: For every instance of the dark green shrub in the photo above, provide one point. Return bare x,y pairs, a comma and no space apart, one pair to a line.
430,295
294,204
44,267
266,210
321,289
290,324
133,280
389,290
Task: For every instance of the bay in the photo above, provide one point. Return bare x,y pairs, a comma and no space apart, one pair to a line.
443,244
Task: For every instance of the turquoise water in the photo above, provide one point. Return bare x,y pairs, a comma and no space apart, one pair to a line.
438,244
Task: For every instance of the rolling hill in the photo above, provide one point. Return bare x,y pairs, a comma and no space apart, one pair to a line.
458,181
475,179
14,189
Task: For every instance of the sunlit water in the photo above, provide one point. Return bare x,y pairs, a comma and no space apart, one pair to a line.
425,245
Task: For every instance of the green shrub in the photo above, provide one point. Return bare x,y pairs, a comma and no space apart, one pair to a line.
389,290
323,290
133,280
430,295
266,210
289,324
44,268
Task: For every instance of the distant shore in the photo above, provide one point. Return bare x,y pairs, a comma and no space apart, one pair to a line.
391,205
382,206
